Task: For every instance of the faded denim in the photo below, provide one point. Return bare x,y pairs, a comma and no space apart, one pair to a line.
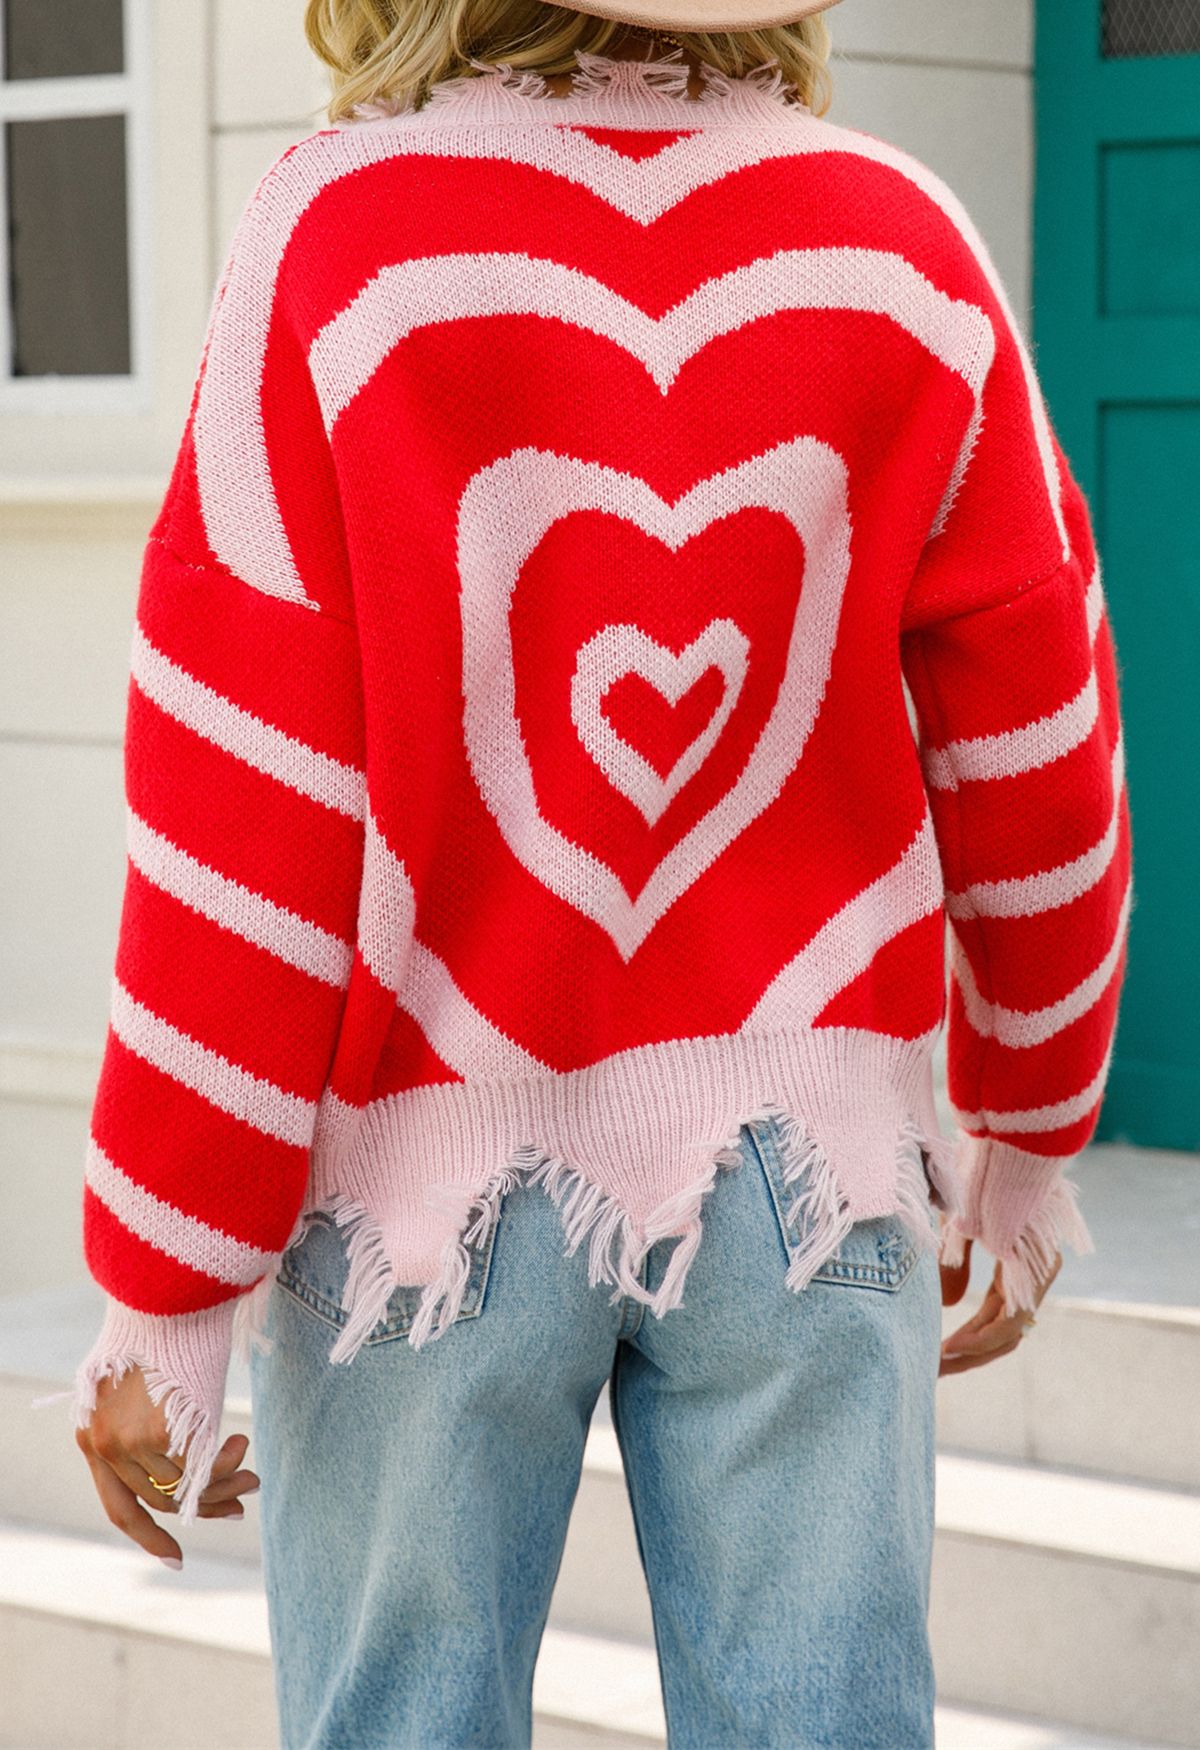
779,1456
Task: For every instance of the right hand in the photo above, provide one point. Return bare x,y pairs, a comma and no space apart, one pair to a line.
991,1332
127,1437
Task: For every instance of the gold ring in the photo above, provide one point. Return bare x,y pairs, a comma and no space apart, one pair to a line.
165,1488
1028,1324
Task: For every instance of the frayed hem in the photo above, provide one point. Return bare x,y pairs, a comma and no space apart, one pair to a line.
820,1208
617,1244
667,74
169,1349
441,1301
192,1429
368,1288
369,1280
617,1241
1026,1261
925,1182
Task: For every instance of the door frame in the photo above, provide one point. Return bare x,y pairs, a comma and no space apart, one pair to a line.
1091,361
1141,100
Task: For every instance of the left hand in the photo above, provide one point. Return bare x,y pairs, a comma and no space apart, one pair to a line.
991,1332
125,1439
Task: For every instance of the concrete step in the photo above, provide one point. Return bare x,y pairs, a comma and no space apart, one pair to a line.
1110,1379
1021,1408
1106,1386
183,1658
153,1657
1069,1595
1055,1592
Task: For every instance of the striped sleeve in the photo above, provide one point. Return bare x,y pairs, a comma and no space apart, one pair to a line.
244,790
1009,656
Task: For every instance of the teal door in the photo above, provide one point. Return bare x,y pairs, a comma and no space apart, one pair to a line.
1117,340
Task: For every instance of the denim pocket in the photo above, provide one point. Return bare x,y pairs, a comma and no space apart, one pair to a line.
878,1252
314,1269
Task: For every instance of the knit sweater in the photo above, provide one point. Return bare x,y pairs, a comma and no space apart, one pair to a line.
619,595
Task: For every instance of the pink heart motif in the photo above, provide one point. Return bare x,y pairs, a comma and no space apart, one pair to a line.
505,512
620,650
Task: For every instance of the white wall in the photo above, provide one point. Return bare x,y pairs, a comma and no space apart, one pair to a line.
68,572
234,84
269,89
950,80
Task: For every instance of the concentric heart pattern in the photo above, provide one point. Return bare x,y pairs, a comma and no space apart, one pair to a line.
690,702
617,653
525,495
696,792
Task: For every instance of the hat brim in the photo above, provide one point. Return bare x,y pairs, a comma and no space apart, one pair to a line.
700,14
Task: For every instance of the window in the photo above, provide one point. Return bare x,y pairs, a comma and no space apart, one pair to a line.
1150,27
72,158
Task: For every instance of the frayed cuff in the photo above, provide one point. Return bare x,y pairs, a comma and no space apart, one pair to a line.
1022,1208
183,1354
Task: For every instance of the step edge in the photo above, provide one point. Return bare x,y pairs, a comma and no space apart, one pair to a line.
140,1631
1093,1558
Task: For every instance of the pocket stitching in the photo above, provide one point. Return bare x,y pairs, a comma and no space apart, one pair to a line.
397,1323
838,1272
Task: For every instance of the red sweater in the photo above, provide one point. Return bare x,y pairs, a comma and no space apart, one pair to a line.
520,775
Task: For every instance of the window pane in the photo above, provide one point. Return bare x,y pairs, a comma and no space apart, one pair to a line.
47,39
68,246
1151,27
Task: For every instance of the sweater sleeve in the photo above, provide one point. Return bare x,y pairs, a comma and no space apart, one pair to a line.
244,788
1009,656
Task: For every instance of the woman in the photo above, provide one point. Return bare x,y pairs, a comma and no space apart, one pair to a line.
591,439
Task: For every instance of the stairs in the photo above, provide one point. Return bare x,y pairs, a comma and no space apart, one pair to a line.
156,1658
1066,1590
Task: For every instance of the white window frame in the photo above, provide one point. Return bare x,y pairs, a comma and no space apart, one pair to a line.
101,94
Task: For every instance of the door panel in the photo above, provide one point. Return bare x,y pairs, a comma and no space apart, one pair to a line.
1153,586
1150,238
1117,339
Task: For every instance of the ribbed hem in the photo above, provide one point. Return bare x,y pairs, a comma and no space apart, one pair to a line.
637,1125
629,1149
1022,1208
183,1354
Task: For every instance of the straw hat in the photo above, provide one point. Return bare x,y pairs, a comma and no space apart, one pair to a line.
701,14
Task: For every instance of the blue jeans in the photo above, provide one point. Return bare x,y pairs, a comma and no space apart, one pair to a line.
779,1456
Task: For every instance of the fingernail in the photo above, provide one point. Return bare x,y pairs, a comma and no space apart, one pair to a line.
171,1561
253,1489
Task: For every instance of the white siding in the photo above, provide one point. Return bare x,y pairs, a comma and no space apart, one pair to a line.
265,72
269,90
70,579
950,80
235,84
996,33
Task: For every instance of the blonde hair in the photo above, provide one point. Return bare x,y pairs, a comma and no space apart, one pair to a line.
391,51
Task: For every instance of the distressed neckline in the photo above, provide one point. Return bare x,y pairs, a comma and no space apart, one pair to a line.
606,91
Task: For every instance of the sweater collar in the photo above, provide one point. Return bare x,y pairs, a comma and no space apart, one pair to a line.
608,92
